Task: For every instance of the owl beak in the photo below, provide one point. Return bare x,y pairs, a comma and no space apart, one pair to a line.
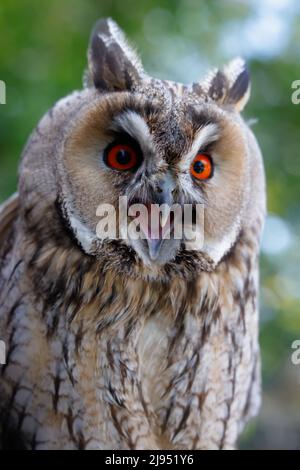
164,197
154,248
157,236
165,189
157,223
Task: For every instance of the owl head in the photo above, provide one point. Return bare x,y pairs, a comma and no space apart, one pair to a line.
149,141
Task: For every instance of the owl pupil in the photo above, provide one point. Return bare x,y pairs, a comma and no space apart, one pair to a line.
123,157
199,166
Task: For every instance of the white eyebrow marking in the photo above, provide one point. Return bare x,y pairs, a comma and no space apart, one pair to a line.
205,135
132,123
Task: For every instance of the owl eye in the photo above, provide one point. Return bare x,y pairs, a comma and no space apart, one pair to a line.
121,157
202,167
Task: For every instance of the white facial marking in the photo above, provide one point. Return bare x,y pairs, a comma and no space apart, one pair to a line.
83,234
204,136
132,123
216,249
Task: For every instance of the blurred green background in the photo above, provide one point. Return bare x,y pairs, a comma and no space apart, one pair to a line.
42,58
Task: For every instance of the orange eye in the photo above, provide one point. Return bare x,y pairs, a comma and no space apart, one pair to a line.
202,167
121,157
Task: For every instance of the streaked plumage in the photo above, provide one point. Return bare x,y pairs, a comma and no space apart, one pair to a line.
107,349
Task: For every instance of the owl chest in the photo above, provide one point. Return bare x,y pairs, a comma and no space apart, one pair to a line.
188,377
168,368
153,350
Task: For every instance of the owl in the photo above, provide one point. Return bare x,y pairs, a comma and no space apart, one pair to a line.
123,342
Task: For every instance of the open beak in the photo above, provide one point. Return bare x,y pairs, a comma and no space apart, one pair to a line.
160,217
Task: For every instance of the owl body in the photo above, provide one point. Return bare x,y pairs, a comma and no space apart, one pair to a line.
110,345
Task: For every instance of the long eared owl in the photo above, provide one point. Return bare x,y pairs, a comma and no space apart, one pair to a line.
120,342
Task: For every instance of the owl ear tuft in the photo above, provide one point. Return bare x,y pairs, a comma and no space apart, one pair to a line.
238,78
113,64
230,86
